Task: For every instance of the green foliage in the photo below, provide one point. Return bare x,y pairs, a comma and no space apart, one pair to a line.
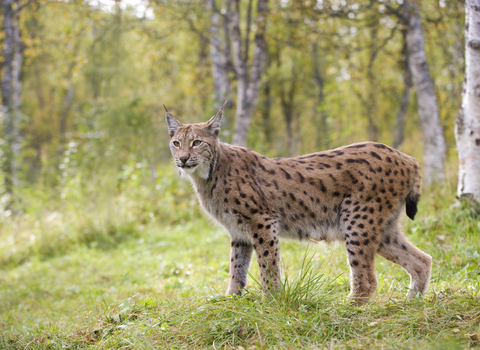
121,67
80,214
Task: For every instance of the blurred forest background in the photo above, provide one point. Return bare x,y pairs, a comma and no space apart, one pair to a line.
84,139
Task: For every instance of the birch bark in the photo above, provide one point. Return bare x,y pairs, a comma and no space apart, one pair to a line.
248,85
323,139
221,80
10,93
402,112
467,128
435,145
16,99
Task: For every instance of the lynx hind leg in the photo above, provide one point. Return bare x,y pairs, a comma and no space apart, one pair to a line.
396,248
362,244
240,257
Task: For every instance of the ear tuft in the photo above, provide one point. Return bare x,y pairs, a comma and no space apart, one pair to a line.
213,125
172,122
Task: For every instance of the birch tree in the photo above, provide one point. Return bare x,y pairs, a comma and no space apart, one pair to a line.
435,145
248,80
11,88
323,138
221,57
467,129
404,102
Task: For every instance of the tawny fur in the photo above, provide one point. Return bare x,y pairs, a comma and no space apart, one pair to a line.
353,194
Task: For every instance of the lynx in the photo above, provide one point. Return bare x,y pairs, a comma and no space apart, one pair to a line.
353,194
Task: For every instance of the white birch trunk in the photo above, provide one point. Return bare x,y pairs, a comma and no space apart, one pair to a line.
402,112
248,86
8,163
221,80
435,144
467,128
16,100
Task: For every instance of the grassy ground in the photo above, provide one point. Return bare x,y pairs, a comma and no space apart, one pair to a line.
140,278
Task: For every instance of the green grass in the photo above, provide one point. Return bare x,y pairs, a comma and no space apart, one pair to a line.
140,281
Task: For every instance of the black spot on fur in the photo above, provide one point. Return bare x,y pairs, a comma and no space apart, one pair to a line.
358,146
375,155
322,187
287,175
302,179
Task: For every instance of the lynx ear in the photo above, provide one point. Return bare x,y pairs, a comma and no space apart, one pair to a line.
213,125
172,122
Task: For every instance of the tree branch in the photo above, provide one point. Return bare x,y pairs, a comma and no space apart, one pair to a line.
20,7
247,35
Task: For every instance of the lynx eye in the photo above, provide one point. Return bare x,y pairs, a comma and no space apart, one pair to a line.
176,143
196,143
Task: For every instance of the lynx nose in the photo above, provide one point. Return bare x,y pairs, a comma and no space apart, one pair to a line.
184,159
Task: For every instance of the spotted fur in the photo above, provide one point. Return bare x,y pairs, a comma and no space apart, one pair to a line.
353,194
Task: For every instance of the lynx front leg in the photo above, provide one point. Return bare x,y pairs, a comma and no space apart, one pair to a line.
267,247
240,257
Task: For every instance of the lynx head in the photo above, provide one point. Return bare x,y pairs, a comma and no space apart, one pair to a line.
194,146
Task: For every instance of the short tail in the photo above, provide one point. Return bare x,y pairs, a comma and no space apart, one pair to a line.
415,192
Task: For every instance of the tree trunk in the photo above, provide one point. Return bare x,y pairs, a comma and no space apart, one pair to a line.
372,89
435,145
405,101
322,140
67,102
16,99
288,108
67,105
266,115
248,85
467,129
402,112
221,80
10,94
